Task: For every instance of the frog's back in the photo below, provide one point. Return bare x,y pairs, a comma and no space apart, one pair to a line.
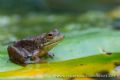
26,44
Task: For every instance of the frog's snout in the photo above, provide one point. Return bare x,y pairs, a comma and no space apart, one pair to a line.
62,36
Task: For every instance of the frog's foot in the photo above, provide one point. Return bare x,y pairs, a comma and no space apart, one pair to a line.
33,61
51,55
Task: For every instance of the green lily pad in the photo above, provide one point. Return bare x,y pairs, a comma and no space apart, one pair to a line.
88,66
75,45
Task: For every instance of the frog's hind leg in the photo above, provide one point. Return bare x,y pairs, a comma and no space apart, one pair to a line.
33,60
15,55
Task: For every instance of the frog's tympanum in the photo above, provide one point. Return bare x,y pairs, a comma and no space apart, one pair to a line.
31,50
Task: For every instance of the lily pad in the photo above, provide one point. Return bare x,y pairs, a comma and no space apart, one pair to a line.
88,66
76,50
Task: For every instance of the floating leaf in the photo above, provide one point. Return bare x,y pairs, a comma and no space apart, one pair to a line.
77,54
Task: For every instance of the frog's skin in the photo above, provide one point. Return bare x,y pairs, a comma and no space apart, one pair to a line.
31,50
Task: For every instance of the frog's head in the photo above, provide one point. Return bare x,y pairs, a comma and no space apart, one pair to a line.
51,39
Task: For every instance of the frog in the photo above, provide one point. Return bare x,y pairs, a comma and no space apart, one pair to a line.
32,50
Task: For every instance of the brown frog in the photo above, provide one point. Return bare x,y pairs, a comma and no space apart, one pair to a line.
31,50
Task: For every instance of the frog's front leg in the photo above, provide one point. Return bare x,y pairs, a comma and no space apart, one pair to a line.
50,54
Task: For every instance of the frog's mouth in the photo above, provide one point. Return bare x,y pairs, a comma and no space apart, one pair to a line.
53,42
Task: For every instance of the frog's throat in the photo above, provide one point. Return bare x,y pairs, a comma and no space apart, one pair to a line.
50,45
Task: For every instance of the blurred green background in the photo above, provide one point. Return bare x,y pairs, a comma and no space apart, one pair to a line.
55,6
21,18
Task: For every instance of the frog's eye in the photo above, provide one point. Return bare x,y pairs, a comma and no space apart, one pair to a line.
50,36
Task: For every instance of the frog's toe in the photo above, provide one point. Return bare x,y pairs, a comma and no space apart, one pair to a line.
30,62
51,55
27,62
